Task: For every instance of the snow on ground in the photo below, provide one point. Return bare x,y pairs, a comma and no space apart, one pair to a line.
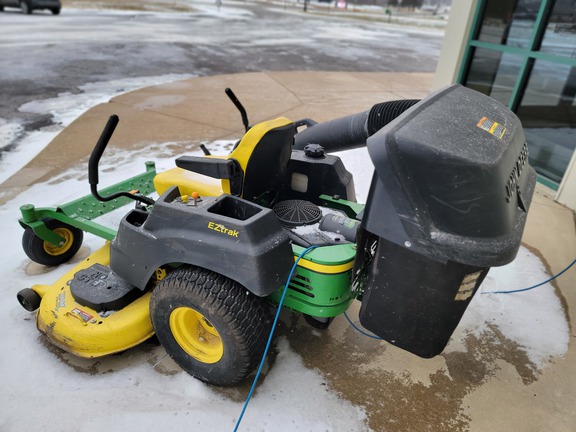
64,109
226,11
534,319
43,393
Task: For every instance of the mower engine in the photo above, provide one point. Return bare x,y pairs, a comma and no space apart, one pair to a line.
308,224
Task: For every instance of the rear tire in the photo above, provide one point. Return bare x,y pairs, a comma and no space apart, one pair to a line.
210,325
55,11
46,253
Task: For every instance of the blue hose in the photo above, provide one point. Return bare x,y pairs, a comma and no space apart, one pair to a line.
269,343
533,286
486,292
359,329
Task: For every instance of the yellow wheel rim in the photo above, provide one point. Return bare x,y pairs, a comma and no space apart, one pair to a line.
53,250
196,335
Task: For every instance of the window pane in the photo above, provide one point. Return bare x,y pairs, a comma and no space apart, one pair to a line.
509,22
493,73
548,113
560,34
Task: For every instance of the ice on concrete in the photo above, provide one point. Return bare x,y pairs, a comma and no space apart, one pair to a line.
64,109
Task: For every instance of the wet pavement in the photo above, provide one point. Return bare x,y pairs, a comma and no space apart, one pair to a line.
44,55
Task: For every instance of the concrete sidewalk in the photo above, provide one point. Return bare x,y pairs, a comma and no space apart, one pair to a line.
454,392
197,109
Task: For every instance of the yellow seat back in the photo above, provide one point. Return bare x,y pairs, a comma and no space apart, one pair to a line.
263,155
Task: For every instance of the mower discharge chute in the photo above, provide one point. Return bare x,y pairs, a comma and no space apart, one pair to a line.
202,264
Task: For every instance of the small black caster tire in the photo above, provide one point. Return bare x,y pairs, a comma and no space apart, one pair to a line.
45,253
29,299
317,322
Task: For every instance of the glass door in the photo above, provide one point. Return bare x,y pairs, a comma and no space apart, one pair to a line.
523,54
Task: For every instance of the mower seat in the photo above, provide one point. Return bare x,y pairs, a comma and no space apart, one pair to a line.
253,170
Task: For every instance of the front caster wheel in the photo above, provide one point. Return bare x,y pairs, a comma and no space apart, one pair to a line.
44,252
210,325
29,299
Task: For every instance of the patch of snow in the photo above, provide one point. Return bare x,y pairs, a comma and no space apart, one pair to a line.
25,150
335,32
225,11
64,108
359,164
8,132
533,319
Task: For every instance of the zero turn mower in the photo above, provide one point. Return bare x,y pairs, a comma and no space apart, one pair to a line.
203,265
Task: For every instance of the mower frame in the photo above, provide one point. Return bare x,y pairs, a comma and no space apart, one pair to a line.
81,212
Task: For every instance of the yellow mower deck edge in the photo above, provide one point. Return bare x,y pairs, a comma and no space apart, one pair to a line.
84,332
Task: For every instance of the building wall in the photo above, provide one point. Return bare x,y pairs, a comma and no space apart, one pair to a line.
454,43
567,191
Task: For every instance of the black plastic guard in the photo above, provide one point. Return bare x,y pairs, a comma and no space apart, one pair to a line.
452,179
99,288
413,302
228,235
324,175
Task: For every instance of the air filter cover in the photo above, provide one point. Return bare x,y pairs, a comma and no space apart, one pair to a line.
292,213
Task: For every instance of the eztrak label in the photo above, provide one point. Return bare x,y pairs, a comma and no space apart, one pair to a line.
222,229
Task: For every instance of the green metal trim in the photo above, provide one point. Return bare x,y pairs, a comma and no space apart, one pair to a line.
502,48
540,24
547,182
521,82
352,209
529,53
525,53
80,212
328,255
317,294
553,58
44,233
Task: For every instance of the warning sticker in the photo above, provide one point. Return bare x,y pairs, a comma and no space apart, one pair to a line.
492,127
467,286
84,316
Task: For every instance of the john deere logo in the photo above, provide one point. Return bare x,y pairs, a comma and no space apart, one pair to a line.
222,229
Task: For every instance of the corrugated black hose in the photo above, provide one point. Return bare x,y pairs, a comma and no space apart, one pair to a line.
352,131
